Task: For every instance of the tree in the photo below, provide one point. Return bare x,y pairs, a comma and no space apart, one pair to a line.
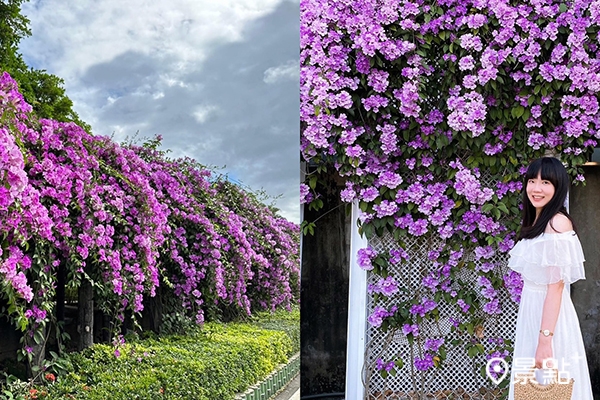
45,92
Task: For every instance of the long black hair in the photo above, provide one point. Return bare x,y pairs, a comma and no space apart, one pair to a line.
552,170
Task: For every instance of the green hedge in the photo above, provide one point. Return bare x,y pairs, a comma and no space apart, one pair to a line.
214,363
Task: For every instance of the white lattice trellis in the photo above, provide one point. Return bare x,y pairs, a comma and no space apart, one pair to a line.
460,377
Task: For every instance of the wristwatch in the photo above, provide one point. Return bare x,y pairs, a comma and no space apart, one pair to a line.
546,332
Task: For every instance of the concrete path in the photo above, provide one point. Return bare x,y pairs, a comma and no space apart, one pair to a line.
291,391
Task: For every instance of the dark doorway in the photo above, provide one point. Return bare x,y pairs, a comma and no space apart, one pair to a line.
585,210
324,294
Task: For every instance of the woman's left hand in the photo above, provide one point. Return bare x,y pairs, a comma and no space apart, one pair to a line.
544,352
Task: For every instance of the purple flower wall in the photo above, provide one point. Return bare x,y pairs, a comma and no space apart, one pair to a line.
430,111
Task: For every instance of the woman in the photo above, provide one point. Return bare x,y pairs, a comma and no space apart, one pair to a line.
549,258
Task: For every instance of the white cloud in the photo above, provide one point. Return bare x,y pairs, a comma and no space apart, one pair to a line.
88,32
203,112
288,71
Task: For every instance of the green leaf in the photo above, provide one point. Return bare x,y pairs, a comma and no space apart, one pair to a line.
496,213
469,326
517,111
363,206
442,352
487,207
502,207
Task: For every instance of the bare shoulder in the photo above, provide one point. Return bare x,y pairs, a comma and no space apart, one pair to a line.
558,224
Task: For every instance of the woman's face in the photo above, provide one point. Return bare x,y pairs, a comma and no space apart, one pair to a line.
539,192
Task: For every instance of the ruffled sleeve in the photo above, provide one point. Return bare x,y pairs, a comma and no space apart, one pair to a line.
549,258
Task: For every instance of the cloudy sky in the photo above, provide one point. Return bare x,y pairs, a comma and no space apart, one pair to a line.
218,79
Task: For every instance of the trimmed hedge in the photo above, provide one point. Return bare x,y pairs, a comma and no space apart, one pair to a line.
214,363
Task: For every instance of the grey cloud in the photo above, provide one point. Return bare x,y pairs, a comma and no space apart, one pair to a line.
254,126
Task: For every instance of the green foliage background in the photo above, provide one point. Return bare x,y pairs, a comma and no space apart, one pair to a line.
213,363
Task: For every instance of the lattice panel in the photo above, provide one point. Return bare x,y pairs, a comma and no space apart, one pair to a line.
460,378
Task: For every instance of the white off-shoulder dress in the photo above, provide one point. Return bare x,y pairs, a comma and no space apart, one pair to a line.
550,258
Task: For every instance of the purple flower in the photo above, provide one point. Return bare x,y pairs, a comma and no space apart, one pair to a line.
423,308
423,364
493,307
305,195
418,227
433,345
430,282
486,252
378,80
390,179
379,313
348,194
385,208
388,138
380,364
466,63
388,286
374,103
397,255
468,185
365,256
470,42
369,194
354,151
514,283
408,329
463,306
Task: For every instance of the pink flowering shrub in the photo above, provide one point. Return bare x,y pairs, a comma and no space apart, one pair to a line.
273,243
226,249
23,218
430,111
108,224
129,220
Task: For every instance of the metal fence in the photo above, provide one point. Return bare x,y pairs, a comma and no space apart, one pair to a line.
276,380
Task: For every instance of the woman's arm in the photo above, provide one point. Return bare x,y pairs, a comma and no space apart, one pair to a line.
559,223
549,318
